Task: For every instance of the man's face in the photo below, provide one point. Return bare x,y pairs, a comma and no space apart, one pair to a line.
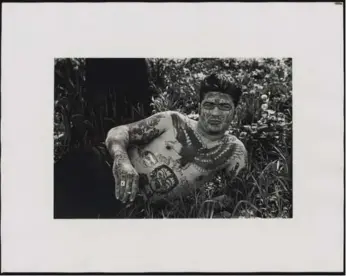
216,112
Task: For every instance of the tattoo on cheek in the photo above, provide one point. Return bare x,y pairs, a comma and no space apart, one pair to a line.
225,117
206,114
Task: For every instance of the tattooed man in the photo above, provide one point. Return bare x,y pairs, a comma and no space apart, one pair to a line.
167,154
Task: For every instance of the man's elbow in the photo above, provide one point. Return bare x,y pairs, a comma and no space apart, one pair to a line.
116,135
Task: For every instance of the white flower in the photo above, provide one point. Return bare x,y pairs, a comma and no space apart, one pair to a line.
264,97
264,106
200,75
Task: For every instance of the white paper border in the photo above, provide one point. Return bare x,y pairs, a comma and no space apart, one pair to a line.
34,34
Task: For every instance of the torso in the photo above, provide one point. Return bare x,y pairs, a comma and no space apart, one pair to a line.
176,163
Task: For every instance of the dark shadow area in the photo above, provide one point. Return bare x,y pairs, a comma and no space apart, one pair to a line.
116,91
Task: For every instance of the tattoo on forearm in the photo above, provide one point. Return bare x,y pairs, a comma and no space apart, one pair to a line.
144,131
120,157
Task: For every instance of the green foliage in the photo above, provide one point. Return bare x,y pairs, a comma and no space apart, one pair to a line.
69,105
82,119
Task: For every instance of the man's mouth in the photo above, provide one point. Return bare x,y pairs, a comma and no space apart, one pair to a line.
214,122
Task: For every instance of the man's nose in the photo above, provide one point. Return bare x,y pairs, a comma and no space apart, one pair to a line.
215,110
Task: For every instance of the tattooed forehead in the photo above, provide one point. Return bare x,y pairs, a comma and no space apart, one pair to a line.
217,97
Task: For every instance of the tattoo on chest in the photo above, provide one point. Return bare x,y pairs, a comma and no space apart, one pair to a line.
194,153
144,131
147,158
163,178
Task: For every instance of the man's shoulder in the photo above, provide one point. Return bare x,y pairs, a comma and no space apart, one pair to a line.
170,119
165,117
232,139
177,118
170,113
239,156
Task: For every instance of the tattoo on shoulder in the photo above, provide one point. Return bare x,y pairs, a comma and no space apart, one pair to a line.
144,131
239,153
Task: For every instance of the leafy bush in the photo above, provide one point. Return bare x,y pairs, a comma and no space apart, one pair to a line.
69,105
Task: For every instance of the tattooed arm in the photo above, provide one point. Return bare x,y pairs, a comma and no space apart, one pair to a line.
238,162
117,142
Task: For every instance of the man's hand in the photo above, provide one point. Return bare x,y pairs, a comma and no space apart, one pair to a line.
119,138
126,181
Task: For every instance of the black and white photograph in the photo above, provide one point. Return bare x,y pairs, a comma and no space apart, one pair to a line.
173,138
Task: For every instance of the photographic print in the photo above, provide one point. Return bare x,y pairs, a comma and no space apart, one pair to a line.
173,138
173,147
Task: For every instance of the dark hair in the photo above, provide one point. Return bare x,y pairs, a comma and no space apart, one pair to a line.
220,83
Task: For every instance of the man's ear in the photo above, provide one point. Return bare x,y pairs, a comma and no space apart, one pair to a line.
199,108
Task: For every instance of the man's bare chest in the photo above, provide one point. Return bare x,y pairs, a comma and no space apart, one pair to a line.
172,164
159,167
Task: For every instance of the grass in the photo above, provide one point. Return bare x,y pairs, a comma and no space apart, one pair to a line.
263,192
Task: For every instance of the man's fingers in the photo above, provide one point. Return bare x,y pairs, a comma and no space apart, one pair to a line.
123,184
121,187
134,188
117,188
127,189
